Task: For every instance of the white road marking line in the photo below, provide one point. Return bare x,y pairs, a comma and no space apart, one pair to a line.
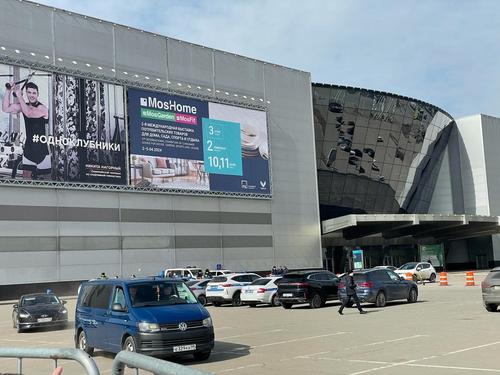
241,368
249,334
395,340
299,339
383,367
235,350
456,367
306,356
472,348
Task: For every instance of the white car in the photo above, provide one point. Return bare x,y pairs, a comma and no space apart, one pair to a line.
185,273
199,287
227,288
262,290
423,269
214,273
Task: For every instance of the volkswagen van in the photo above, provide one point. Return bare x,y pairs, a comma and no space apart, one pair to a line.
152,316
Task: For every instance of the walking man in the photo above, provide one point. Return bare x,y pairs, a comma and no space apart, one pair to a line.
350,289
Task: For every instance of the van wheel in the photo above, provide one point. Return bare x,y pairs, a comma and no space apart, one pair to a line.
412,296
491,307
286,305
252,304
82,343
315,301
432,278
201,356
216,304
129,344
202,299
380,299
236,299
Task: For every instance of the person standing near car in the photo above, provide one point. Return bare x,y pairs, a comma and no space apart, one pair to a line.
350,289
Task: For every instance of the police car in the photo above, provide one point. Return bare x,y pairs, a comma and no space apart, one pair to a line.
227,288
261,291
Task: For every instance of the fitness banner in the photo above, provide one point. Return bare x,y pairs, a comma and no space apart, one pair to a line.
190,144
56,127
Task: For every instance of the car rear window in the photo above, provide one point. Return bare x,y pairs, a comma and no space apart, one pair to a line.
291,279
359,278
494,275
219,279
192,282
260,282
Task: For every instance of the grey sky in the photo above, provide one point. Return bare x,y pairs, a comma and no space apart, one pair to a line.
445,52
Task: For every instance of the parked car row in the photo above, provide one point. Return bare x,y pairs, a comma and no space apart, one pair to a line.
165,316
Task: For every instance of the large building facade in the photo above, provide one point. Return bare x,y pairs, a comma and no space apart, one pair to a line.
58,228
395,178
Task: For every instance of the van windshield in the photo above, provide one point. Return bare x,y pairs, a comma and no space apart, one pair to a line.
160,293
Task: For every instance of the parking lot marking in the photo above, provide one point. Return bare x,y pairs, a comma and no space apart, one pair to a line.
456,367
249,334
383,367
241,367
472,348
395,340
299,339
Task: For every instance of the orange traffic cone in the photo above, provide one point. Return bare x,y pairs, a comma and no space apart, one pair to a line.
469,279
443,279
408,276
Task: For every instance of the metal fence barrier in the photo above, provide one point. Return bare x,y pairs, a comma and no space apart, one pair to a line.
122,359
51,353
151,364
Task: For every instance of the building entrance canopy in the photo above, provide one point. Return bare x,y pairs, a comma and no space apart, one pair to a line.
420,226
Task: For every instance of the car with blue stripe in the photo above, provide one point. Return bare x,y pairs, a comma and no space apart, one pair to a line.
263,290
227,288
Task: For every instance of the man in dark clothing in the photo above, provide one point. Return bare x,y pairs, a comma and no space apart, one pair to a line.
350,288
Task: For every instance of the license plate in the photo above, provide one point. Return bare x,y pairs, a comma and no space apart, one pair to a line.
249,291
184,348
213,287
44,320
287,295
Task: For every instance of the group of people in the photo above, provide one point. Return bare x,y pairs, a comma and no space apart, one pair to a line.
279,270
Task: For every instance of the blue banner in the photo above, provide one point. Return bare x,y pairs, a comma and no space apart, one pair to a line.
190,144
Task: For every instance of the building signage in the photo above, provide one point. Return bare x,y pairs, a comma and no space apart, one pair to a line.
190,144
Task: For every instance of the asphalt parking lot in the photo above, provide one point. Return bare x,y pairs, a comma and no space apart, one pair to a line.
447,332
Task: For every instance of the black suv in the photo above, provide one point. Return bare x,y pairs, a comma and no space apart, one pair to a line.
312,287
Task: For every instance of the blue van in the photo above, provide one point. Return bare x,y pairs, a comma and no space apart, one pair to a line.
153,316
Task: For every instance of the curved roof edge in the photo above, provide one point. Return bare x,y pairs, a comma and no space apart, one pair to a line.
383,93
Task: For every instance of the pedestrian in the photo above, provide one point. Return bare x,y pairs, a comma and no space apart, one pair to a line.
350,290
273,270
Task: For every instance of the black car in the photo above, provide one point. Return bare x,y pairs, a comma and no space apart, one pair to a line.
312,287
379,286
39,310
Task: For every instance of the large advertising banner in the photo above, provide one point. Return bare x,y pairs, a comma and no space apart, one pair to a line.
56,127
190,144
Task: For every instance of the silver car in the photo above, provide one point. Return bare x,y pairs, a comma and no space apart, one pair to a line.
491,290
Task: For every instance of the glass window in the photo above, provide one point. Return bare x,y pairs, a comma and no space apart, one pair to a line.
393,276
160,293
99,296
262,281
119,297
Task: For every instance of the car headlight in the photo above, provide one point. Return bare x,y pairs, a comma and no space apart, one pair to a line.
207,322
24,314
148,327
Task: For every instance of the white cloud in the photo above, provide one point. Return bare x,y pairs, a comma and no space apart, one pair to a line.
442,52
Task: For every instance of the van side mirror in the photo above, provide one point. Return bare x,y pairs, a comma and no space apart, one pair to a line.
419,268
15,306
118,308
